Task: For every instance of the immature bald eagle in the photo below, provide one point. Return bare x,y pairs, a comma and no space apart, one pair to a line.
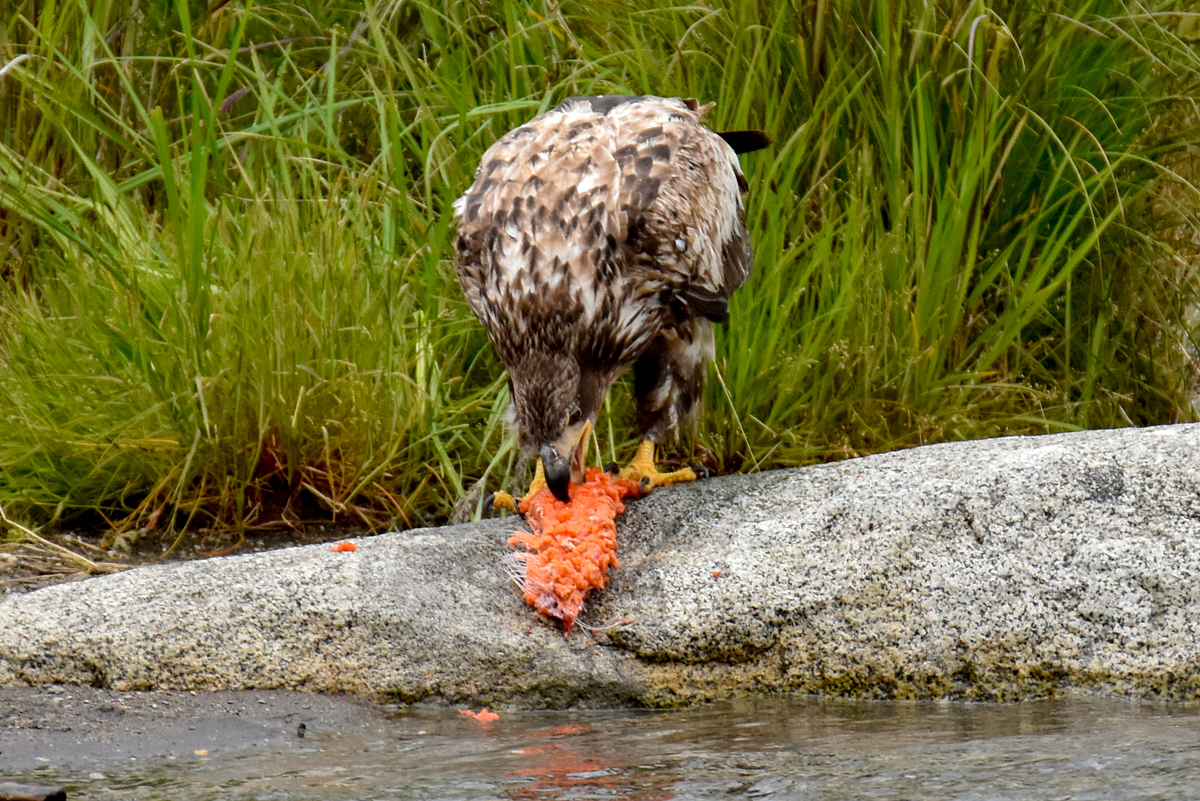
605,233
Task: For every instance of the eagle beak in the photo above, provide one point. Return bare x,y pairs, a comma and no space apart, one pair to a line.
558,473
561,470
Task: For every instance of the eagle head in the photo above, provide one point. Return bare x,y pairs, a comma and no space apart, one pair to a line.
549,418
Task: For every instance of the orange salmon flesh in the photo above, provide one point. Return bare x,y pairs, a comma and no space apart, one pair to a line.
571,546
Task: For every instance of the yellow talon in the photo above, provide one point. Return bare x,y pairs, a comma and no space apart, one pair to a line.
539,480
642,469
505,501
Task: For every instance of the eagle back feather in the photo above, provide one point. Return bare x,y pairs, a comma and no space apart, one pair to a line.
588,224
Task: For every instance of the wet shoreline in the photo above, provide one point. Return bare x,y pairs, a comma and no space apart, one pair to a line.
74,728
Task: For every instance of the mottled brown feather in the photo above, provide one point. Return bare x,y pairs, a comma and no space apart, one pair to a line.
606,232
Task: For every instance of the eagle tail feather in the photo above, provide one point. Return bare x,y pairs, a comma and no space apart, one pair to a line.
745,141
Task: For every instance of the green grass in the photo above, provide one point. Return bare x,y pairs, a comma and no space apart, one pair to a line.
226,296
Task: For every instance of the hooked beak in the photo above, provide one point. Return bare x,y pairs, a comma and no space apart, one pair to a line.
558,473
560,470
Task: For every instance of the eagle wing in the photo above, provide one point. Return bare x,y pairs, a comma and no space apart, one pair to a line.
681,204
538,228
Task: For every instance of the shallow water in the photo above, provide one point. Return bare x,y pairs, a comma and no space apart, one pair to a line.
774,748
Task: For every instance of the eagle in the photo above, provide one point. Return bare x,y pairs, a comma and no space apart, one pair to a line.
605,234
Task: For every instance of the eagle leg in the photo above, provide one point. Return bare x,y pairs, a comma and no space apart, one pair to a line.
505,501
642,469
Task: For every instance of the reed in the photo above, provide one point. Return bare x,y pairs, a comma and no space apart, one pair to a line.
227,297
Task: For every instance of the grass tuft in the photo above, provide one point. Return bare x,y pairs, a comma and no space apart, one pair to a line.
226,297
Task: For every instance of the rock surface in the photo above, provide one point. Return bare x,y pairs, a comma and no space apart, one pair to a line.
999,569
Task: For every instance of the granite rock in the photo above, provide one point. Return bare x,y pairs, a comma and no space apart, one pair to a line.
998,569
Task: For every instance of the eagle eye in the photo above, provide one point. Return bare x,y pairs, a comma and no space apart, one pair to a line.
575,416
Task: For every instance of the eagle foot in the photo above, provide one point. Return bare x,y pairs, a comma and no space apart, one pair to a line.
643,470
500,501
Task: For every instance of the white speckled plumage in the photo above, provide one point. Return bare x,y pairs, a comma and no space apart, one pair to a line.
604,234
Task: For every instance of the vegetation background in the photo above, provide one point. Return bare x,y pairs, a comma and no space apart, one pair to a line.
226,297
